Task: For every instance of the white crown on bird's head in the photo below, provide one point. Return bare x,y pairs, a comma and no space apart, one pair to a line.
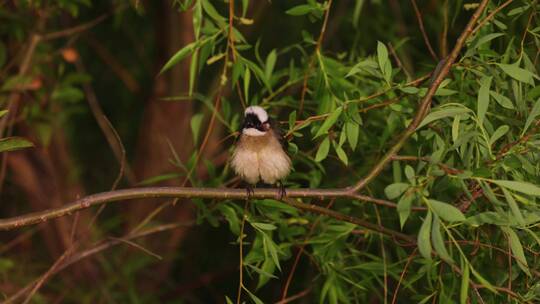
258,111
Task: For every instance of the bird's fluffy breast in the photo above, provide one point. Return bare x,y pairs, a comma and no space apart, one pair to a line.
260,158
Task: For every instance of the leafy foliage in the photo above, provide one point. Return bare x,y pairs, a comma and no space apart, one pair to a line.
466,185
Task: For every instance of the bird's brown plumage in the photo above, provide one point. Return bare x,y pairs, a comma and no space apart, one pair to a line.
261,158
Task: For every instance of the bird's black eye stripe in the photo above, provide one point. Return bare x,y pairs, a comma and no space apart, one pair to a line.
252,121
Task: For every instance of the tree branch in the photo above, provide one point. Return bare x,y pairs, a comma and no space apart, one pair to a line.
216,193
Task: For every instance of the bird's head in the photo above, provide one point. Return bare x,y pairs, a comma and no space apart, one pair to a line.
255,121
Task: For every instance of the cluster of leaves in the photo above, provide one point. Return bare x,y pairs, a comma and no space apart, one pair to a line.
472,141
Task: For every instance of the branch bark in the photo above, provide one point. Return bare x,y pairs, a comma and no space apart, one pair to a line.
216,193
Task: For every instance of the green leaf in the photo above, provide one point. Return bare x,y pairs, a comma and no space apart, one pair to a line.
535,111
323,150
292,120
514,207
67,94
498,134
455,128
341,154
16,83
488,217
265,272
215,58
409,174
197,19
464,290
14,143
522,187
483,97
264,226
485,39
393,191
245,5
517,250
181,54
231,217
384,62
212,12
228,300
410,90
367,65
272,249
438,241
504,101
3,112
446,211
424,242
442,113
253,297
247,78
193,72
519,74
485,283
353,130
270,64
404,208
159,178
196,121
329,122
300,10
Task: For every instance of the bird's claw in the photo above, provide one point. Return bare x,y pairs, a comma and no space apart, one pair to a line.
250,192
281,191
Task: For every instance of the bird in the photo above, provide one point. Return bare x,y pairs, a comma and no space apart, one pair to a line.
259,153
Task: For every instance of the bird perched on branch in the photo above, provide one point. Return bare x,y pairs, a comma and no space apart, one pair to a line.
259,154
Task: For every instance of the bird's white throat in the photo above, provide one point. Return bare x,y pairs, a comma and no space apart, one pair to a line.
253,132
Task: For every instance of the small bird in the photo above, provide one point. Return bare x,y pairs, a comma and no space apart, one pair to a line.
259,153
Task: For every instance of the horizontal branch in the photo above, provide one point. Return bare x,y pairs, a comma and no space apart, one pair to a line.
215,193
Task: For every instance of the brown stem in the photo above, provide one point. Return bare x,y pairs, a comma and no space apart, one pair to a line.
490,16
423,30
106,127
76,257
299,254
216,193
312,60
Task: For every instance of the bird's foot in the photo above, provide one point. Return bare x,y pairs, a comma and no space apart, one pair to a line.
281,191
250,192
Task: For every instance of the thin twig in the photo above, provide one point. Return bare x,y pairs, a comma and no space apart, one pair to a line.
49,273
135,245
490,16
409,260
112,137
444,38
76,29
241,254
297,296
423,30
299,254
313,57
99,247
